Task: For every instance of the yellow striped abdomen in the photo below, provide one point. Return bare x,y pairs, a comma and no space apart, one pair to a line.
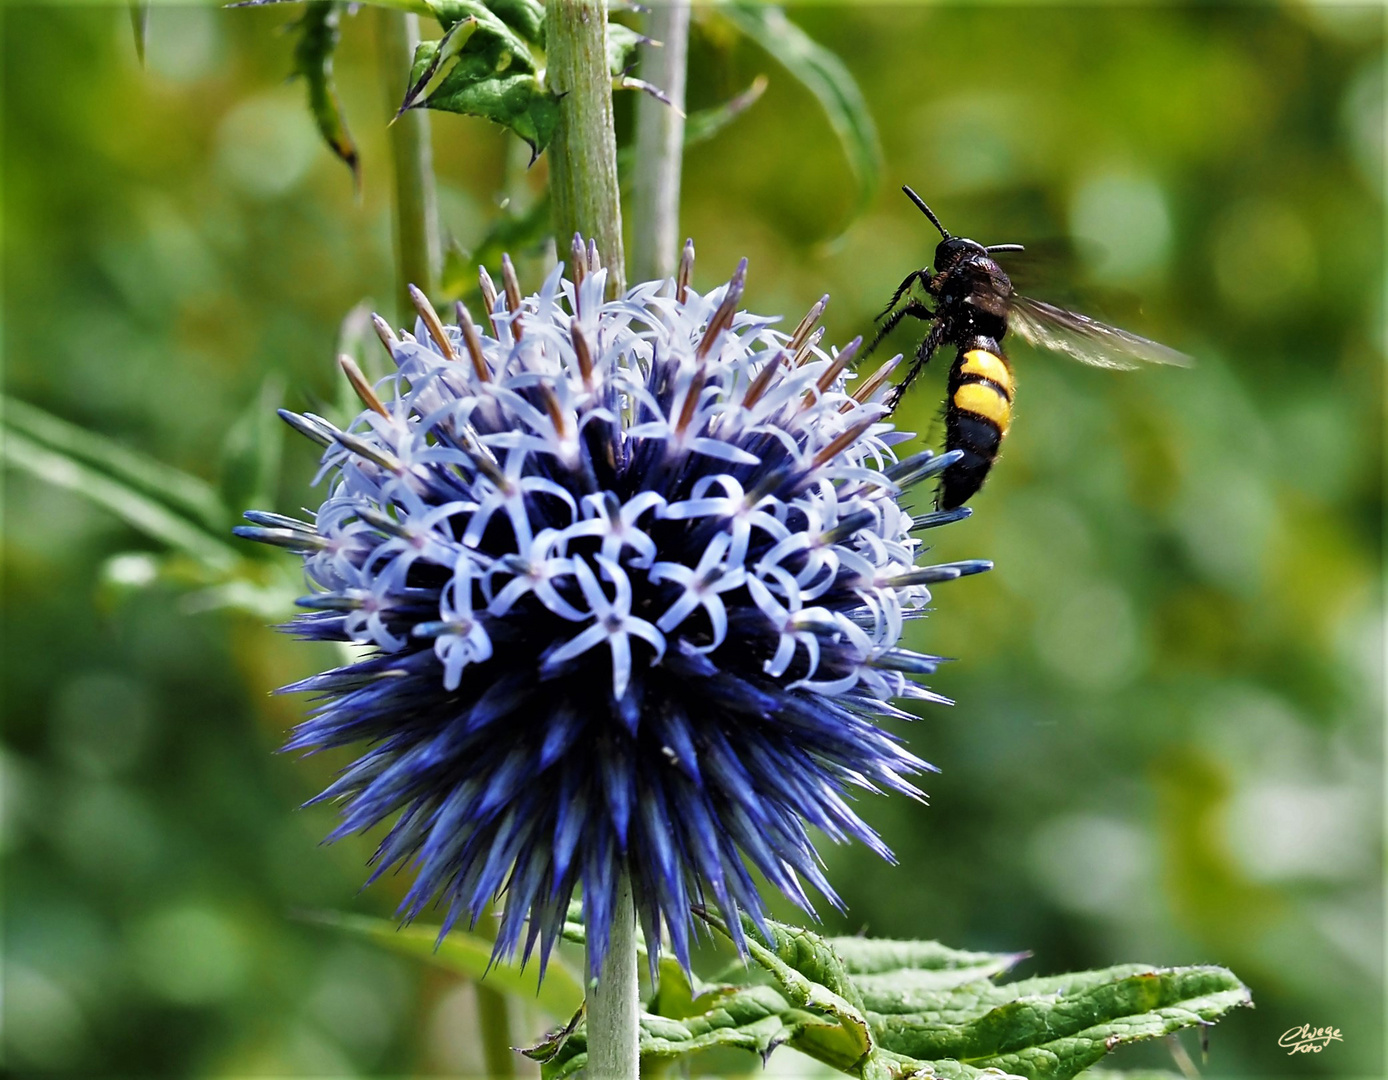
989,366
986,401
978,413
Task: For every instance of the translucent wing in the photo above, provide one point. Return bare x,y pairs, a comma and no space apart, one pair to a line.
1084,339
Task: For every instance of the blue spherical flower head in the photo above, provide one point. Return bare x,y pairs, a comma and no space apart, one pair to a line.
631,576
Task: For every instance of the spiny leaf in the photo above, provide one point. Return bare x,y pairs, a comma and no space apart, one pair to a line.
945,1020
319,32
560,995
484,66
826,77
893,976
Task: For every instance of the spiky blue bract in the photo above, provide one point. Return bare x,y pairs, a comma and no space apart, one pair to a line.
632,576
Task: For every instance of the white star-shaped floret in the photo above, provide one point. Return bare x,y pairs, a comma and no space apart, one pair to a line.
615,522
534,572
613,623
702,584
741,514
460,639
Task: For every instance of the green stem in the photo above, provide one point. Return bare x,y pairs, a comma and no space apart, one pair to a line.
583,188
417,251
660,145
583,155
614,1001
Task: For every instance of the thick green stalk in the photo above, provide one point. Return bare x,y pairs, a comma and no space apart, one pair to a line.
614,1001
417,251
583,188
660,145
583,155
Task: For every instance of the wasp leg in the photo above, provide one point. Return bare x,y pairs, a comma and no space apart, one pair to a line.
924,352
914,308
901,289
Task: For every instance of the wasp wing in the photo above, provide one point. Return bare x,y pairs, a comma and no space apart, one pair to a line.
1084,339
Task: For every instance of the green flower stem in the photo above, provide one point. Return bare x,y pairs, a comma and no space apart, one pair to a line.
417,250
660,145
583,189
614,1002
583,155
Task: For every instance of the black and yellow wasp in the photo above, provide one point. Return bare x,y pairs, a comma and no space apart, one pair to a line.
974,306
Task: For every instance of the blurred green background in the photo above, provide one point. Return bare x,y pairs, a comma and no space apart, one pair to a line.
1167,745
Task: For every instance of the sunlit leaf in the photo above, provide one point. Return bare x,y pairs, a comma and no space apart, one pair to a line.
826,77
469,955
487,64
138,510
186,494
889,1010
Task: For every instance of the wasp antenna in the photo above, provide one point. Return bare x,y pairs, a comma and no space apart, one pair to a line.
920,204
1004,247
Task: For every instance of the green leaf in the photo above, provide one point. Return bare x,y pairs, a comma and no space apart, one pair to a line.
480,68
706,123
892,976
835,1000
484,66
514,234
825,76
753,1018
319,32
621,43
1054,1028
139,23
560,995
135,508
186,494
252,450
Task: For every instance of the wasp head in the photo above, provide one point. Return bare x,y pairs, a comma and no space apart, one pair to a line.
953,250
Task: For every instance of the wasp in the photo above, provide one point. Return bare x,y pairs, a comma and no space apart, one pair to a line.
974,307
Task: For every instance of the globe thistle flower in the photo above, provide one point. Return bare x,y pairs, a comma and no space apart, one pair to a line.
631,577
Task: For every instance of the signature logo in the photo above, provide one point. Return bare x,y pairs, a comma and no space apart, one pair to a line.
1308,1040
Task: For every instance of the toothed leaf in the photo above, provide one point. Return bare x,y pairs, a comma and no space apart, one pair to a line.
319,32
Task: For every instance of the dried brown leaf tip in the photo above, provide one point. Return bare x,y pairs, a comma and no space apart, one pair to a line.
513,295
363,389
763,379
473,340
685,272
385,333
723,317
807,324
579,259
432,323
488,287
873,383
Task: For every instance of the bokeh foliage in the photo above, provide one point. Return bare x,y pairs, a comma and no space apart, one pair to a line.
1168,740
